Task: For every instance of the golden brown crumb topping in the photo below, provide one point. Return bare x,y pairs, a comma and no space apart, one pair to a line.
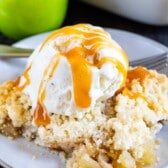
118,133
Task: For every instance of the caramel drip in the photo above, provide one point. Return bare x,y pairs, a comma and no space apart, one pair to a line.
40,114
139,73
17,81
26,77
81,77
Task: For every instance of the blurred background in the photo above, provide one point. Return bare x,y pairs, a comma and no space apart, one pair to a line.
154,27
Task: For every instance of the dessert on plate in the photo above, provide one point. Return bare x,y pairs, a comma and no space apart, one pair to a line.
78,94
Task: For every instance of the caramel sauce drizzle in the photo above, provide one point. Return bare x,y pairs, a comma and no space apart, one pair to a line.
139,73
78,57
82,31
26,77
41,116
81,77
17,81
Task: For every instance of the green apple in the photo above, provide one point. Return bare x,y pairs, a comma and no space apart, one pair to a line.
21,18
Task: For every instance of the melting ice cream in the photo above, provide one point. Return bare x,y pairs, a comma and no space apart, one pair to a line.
74,68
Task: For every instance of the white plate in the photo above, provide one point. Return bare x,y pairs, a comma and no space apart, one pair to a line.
20,153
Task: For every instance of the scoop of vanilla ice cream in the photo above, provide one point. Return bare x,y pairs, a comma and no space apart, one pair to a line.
74,69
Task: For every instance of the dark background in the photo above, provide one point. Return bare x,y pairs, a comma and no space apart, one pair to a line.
79,12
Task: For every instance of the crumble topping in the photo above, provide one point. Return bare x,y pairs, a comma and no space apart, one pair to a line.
118,133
